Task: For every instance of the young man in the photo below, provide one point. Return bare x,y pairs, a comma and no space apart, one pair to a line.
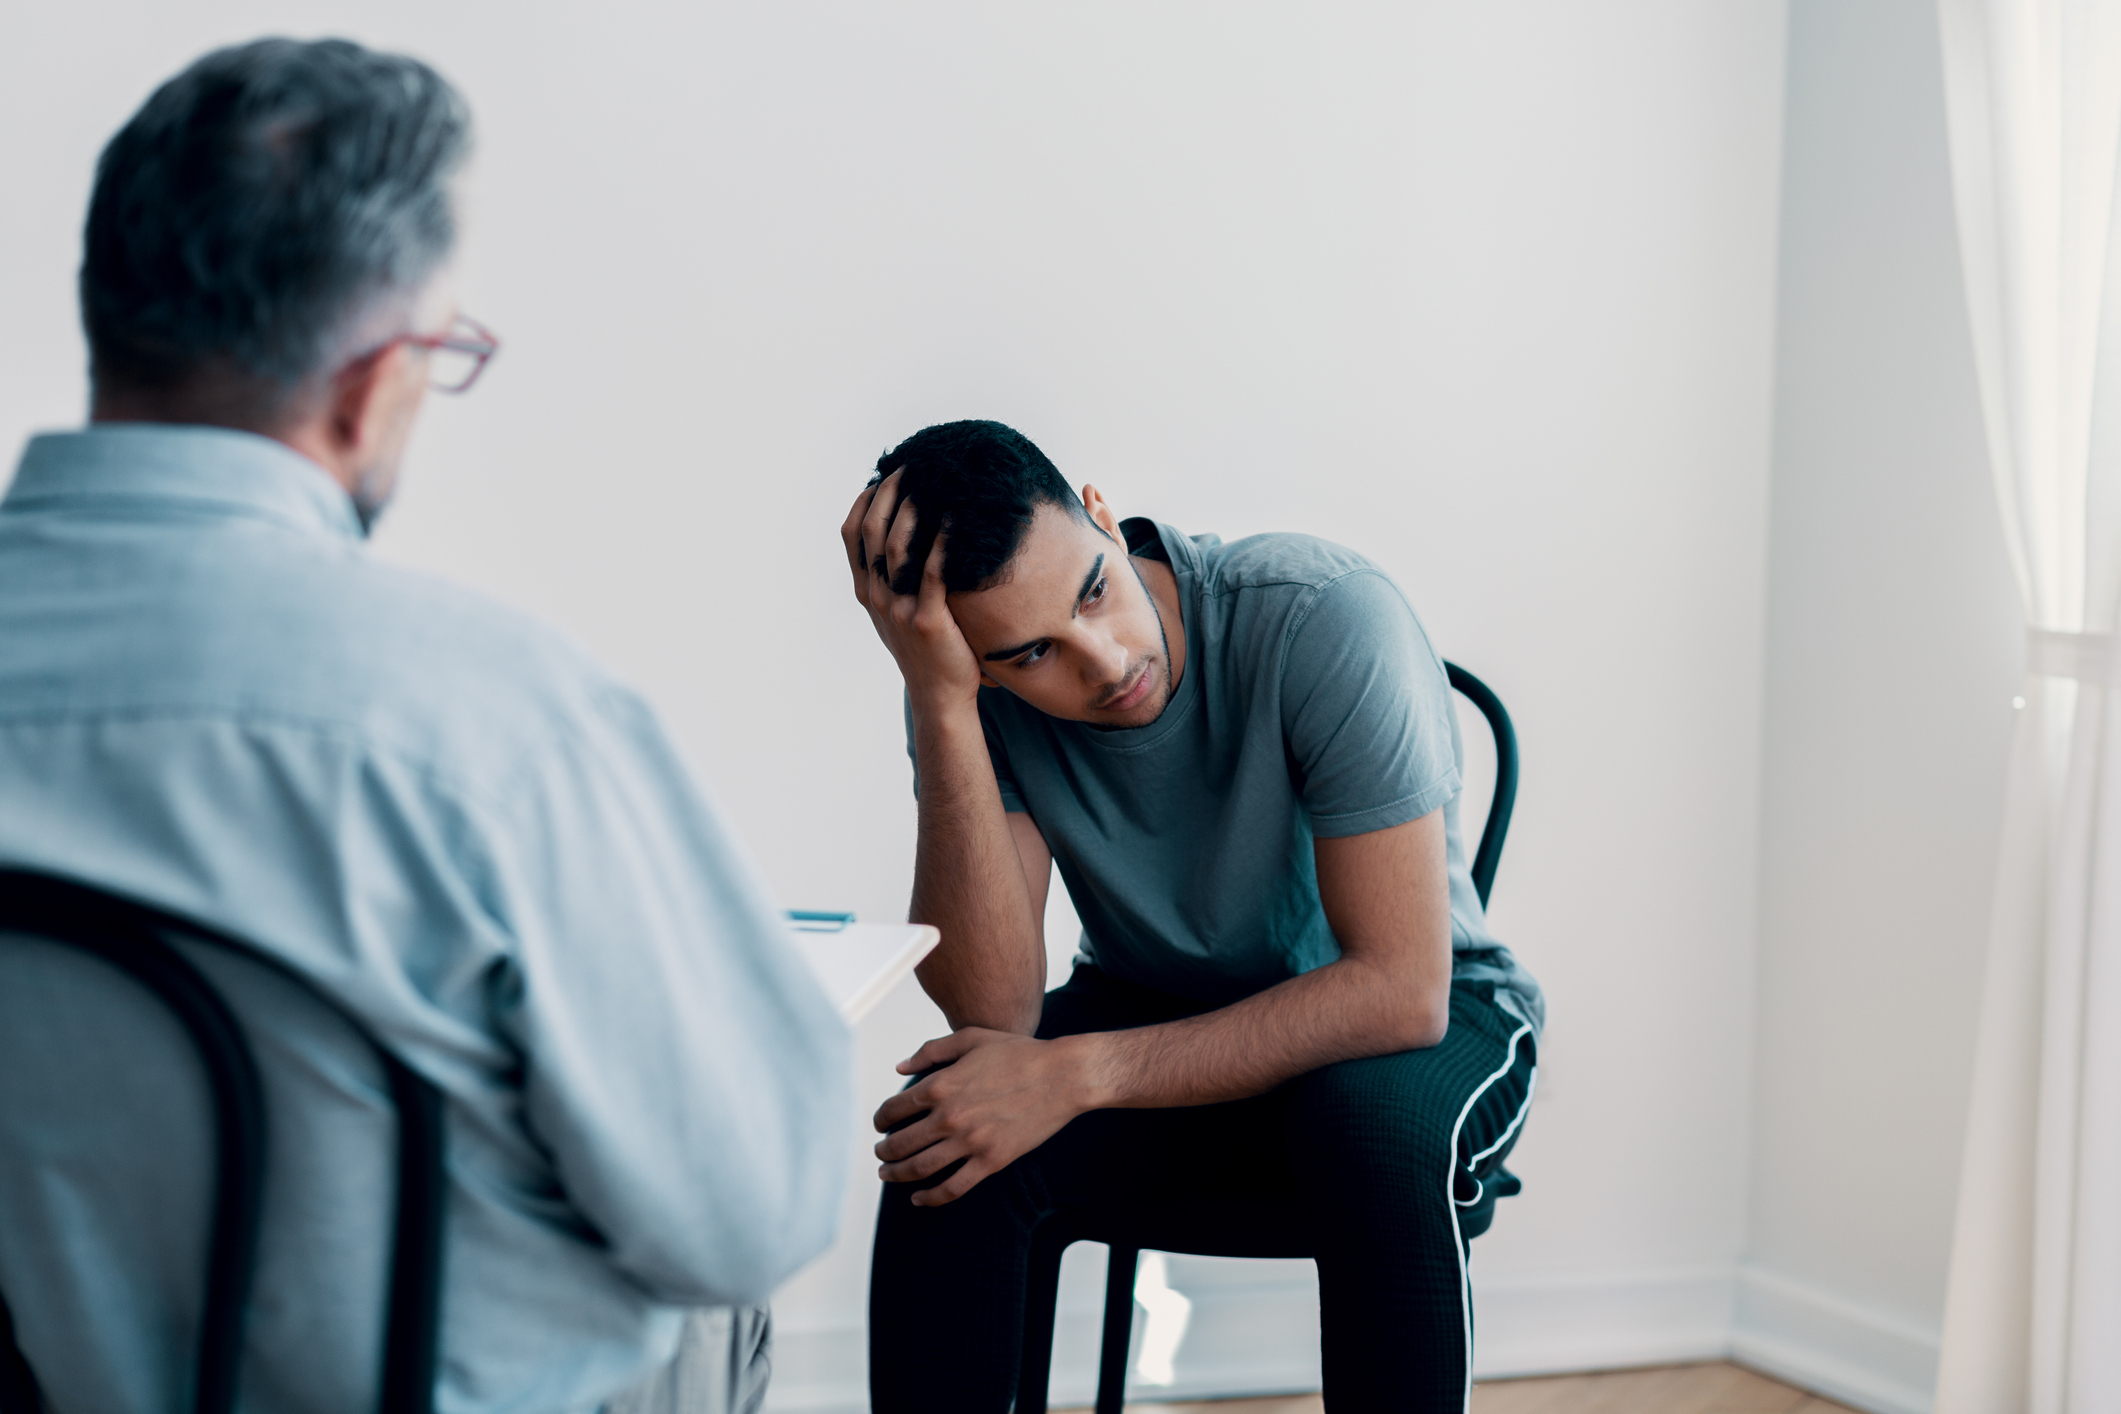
1244,760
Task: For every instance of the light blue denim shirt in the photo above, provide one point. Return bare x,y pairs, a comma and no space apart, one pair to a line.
215,699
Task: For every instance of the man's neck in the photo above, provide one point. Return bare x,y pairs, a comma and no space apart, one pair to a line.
1162,584
308,438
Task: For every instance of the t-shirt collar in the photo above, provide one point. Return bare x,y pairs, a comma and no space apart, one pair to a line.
209,469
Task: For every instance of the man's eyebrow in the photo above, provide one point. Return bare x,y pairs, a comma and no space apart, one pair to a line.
1001,653
1097,567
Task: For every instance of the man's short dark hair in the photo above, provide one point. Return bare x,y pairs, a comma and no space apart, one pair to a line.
982,482
260,207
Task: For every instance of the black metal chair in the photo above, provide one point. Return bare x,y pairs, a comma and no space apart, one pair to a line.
1222,1228
134,939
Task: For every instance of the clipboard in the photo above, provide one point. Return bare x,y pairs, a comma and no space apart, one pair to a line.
859,963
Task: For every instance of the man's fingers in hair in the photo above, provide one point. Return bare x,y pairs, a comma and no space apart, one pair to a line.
934,597
882,602
883,504
851,537
900,542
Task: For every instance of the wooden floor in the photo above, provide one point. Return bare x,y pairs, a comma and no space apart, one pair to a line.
1668,1389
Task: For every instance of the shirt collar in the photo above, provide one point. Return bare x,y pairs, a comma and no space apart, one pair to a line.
210,469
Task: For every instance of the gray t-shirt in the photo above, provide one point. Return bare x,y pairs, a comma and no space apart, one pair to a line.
1312,705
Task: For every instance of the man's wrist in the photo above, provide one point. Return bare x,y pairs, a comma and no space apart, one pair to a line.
1094,1062
945,714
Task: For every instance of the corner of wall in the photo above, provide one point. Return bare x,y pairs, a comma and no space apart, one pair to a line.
1845,1349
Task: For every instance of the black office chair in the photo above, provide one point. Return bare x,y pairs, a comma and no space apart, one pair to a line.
1224,1228
134,939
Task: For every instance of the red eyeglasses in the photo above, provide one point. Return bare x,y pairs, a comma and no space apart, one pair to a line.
458,355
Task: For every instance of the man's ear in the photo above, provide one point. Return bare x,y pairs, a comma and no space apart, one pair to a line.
350,413
985,681
1101,513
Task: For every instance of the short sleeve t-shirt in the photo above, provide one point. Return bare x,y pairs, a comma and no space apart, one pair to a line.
1312,705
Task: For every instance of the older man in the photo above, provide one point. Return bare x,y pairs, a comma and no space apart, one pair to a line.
213,699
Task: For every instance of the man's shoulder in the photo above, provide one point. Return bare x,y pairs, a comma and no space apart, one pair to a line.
443,668
448,626
1281,559
242,622
1264,593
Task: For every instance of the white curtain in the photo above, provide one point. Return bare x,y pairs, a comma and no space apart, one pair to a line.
2033,1317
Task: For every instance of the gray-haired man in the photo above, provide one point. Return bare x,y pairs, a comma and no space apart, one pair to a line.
214,700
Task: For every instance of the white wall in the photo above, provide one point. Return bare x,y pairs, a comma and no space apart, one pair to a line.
1894,647
1482,290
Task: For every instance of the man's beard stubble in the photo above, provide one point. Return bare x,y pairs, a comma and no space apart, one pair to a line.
1163,634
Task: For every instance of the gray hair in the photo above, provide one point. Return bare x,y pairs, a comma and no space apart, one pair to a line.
259,210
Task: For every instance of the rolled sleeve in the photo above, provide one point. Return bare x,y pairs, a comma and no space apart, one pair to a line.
1366,710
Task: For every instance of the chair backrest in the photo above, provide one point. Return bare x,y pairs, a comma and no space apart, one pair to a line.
136,940
1504,800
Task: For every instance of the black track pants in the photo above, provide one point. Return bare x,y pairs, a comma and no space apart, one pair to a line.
1388,1155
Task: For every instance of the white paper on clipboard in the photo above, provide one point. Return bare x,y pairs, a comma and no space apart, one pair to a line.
860,963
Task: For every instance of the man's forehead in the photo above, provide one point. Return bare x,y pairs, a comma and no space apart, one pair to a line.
1044,578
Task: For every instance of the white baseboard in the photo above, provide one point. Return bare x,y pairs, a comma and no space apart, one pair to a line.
1258,1334
1254,1330
1847,1350
1544,1325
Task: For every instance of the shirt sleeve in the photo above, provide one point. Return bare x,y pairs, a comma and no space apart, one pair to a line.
1366,710
997,755
690,1079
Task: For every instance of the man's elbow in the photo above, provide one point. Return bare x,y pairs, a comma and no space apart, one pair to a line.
1016,1010
741,1263
1016,1020
765,1215
751,1273
1425,1020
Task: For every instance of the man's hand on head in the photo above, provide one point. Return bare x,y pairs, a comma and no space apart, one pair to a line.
997,1097
968,872
941,672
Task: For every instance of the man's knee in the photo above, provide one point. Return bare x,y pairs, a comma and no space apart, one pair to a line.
1397,1103
1360,1148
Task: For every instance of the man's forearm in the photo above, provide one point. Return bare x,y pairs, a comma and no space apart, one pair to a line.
1346,1010
990,968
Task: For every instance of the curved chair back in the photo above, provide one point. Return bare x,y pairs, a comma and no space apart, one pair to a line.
1504,800
134,939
